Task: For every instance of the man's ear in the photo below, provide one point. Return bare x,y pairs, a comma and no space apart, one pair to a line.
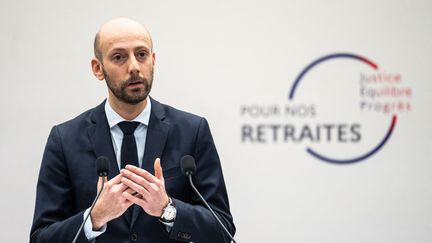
154,58
97,69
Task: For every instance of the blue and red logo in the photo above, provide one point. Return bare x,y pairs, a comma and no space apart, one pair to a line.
319,123
380,144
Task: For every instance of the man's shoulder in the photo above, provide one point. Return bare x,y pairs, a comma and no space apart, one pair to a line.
172,114
84,119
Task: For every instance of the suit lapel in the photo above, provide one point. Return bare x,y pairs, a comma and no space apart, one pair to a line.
157,133
100,138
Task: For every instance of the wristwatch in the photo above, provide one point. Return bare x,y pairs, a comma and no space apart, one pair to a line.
169,212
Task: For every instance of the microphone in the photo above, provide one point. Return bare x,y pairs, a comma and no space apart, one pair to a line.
102,169
188,167
102,166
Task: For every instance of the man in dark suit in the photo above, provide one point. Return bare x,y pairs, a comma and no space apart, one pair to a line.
145,198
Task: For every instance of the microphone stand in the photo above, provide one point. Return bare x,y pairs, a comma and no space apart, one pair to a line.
91,209
208,206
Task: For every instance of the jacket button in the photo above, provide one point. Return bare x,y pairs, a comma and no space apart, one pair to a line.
134,237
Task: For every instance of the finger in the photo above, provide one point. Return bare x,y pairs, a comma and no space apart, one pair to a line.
133,199
99,183
132,176
116,179
142,173
133,193
128,203
121,187
158,169
136,187
130,191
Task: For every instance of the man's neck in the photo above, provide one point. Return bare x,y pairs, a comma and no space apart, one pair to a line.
127,111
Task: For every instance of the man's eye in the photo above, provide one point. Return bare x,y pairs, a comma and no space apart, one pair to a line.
117,57
142,54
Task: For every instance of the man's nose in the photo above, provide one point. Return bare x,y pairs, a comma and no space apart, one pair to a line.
133,65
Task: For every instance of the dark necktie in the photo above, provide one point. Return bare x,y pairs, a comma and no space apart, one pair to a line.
129,154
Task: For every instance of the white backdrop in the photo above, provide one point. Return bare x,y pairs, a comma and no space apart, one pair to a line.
215,57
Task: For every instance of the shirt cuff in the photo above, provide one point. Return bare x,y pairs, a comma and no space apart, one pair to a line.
88,228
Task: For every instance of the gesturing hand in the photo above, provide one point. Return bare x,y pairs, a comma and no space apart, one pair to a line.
111,203
151,188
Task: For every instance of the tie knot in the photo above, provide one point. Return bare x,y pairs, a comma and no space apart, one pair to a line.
128,127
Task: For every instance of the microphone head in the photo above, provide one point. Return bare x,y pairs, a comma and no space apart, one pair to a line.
187,165
102,166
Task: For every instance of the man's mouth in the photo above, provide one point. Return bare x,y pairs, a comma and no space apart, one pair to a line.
135,83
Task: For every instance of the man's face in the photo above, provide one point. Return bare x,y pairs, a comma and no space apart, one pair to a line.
127,65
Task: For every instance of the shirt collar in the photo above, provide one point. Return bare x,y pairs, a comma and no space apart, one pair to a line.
114,118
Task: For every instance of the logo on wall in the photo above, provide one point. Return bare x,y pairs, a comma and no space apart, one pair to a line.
341,107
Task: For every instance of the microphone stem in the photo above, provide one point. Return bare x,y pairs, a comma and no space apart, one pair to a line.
211,210
91,209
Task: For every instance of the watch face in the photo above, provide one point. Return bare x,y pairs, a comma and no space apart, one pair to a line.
169,213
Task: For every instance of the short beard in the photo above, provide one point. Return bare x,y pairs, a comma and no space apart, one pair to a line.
136,96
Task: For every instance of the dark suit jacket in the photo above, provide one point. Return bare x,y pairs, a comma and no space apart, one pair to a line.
67,180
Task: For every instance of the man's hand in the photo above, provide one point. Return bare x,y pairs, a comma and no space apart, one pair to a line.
111,203
151,188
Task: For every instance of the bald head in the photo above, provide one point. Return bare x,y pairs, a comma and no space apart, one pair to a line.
118,29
